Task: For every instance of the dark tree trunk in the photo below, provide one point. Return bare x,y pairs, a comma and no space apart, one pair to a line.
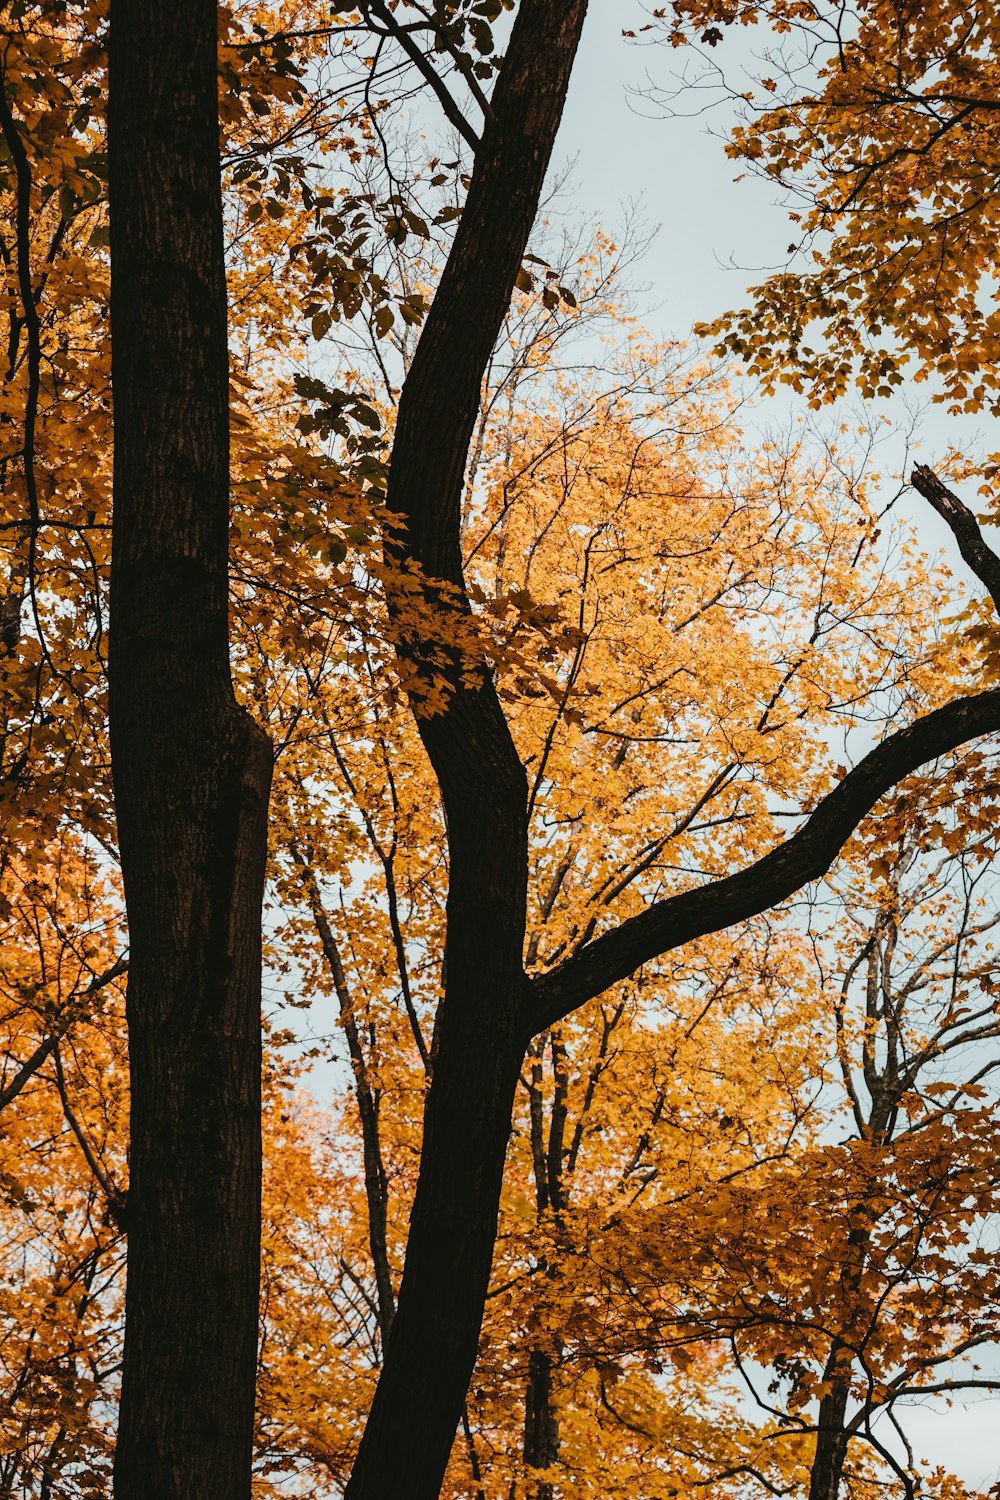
831,1443
541,1423
541,1426
432,1348
192,776
482,1027
831,1423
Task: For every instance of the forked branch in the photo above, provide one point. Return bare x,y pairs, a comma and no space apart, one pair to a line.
403,35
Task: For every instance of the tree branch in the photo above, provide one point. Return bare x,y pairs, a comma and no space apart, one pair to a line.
981,559
806,856
22,167
27,1071
459,58
441,396
117,1200
426,69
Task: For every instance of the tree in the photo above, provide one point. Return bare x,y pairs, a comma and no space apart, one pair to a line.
63,1170
55,402
693,1078
832,1271
490,1009
190,772
608,559
191,775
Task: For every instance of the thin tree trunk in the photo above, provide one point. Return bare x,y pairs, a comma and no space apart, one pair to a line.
831,1425
541,1426
376,1181
831,1442
473,1456
23,319
192,776
541,1422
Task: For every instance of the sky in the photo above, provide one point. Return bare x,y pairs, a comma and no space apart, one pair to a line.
716,237
674,170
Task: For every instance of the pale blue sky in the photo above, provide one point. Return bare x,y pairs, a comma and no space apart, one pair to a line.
674,169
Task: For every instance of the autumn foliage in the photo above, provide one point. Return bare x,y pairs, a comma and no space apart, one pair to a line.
748,1207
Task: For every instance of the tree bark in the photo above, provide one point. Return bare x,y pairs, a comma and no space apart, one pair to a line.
192,777
541,1426
831,1442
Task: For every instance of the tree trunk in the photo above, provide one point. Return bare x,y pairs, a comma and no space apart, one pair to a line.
192,776
541,1426
432,1348
831,1443
482,1027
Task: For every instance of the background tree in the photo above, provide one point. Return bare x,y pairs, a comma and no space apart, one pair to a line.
827,1273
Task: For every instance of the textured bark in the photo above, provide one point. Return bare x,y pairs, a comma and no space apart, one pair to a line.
481,1028
832,1437
541,1426
432,1349
192,776
831,1443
